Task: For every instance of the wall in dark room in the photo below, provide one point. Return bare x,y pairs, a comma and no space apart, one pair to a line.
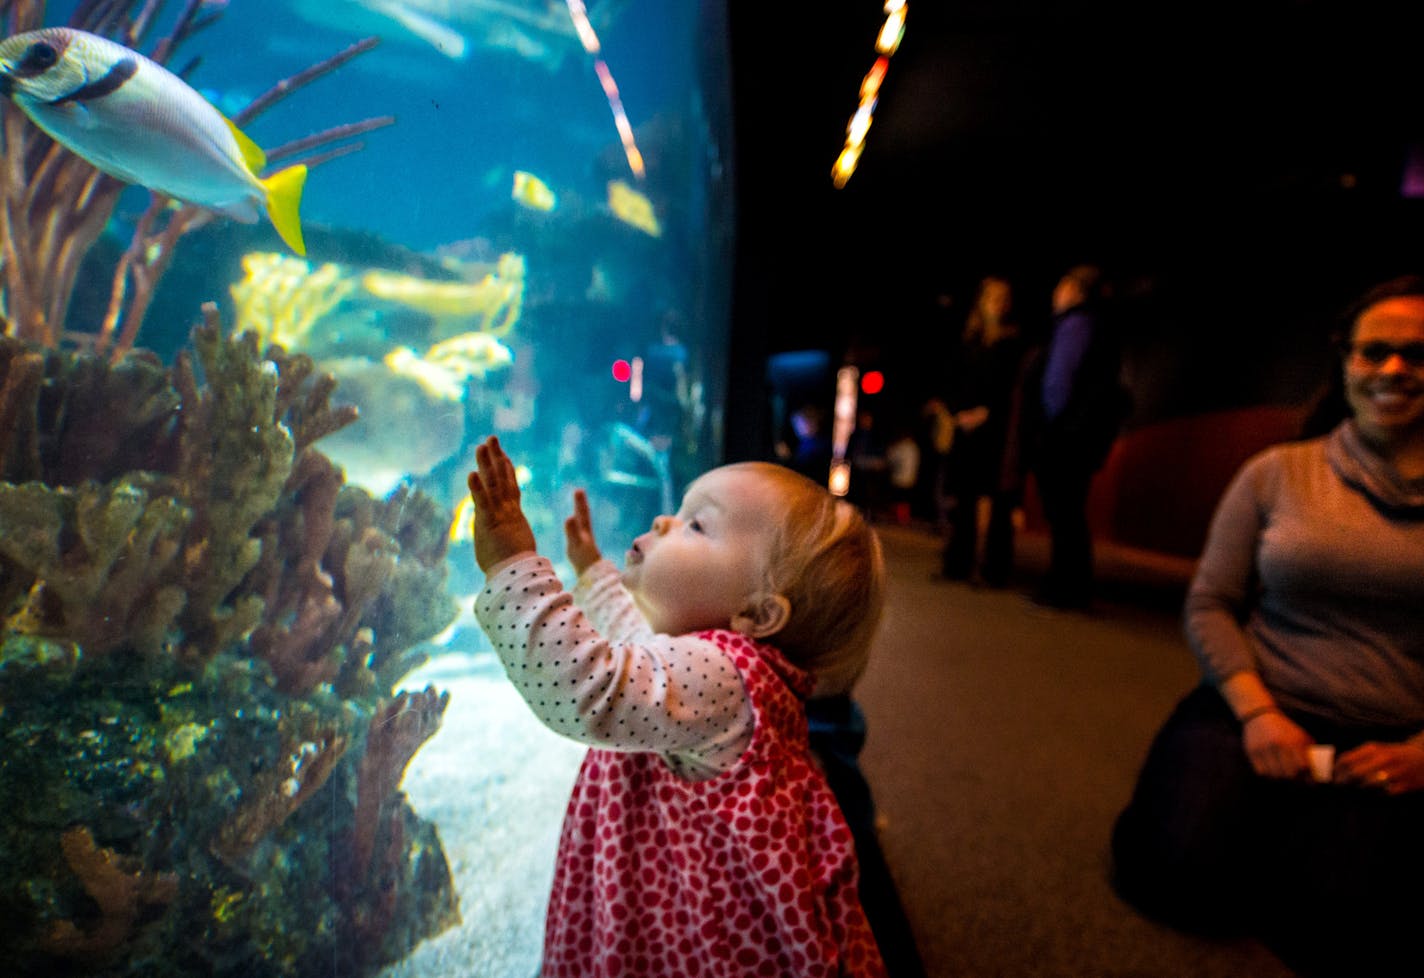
1242,172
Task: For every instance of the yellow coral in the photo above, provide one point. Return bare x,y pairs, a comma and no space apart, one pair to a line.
282,298
182,742
471,354
494,301
446,366
437,381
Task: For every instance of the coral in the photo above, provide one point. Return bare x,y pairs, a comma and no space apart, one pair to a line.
445,368
308,755
281,298
194,656
396,732
470,354
102,560
119,888
493,303
56,205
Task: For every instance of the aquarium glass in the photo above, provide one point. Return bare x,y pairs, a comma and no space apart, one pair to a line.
248,725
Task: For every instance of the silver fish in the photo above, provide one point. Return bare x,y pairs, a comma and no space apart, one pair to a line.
137,121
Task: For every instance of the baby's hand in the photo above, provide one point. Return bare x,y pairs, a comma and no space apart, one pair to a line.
501,529
579,543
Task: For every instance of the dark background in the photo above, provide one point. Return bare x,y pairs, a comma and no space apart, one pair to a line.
1239,169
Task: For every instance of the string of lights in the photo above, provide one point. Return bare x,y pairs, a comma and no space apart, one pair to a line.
886,43
590,43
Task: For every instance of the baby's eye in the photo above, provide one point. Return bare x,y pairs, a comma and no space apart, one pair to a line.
695,525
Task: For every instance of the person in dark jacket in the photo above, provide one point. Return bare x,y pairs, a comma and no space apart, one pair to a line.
981,392
1082,405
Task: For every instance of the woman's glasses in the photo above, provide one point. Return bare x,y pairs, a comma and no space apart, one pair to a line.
1377,354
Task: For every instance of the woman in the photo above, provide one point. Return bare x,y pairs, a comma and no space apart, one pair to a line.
982,391
1306,615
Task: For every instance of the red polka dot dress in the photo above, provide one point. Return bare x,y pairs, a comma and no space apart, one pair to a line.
724,855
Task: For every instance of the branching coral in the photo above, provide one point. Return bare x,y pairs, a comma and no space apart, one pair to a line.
116,885
375,867
493,304
308,756
56,205
232,585
102,560
281,298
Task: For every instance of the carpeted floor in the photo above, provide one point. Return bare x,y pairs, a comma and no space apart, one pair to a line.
1003,740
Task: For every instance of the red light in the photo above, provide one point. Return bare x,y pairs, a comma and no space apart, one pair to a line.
872,382
622,370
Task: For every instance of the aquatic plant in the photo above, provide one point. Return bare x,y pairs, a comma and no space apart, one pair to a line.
200,742
56,205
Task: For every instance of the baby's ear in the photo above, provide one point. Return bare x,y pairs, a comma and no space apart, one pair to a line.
763,619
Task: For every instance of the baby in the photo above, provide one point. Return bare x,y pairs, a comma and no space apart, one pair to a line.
701,838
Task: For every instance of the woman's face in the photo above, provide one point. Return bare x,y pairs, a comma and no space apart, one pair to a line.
1384,369
994,298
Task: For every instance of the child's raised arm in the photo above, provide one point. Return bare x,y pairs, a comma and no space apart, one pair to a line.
579,542
501,529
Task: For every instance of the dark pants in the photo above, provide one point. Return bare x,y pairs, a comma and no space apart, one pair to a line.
1064,476
1329,876
963,537
837,734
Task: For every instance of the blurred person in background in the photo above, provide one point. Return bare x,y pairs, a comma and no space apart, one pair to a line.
865,450
1081,406
902,457
981,387
1306,615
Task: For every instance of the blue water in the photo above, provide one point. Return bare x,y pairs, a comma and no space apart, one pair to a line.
463,126
438,180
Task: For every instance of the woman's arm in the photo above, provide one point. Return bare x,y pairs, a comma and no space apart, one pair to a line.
1217,608
1219,598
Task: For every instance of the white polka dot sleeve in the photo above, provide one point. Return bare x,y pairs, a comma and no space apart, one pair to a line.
602,596
679,696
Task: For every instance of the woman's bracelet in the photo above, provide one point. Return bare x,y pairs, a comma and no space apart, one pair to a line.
1257,711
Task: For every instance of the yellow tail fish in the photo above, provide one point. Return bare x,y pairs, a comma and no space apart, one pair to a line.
137,121
532,192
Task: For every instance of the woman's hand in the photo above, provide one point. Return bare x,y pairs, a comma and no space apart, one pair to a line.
501,529
1391,768
579,542
1276,746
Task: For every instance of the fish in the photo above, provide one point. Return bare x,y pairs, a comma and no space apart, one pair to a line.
532,192
633,208
135,120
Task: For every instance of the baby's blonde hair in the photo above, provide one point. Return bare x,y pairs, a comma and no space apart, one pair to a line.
825,560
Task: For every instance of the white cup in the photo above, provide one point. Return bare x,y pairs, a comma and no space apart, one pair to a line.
1322,762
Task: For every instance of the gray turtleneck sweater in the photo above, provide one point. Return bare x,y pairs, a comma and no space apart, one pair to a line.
1312,576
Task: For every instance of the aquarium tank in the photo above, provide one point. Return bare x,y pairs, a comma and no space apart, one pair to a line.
271,269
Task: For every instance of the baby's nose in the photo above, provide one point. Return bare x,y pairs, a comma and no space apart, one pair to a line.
661,524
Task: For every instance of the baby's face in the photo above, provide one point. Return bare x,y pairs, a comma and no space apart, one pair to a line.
705,565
